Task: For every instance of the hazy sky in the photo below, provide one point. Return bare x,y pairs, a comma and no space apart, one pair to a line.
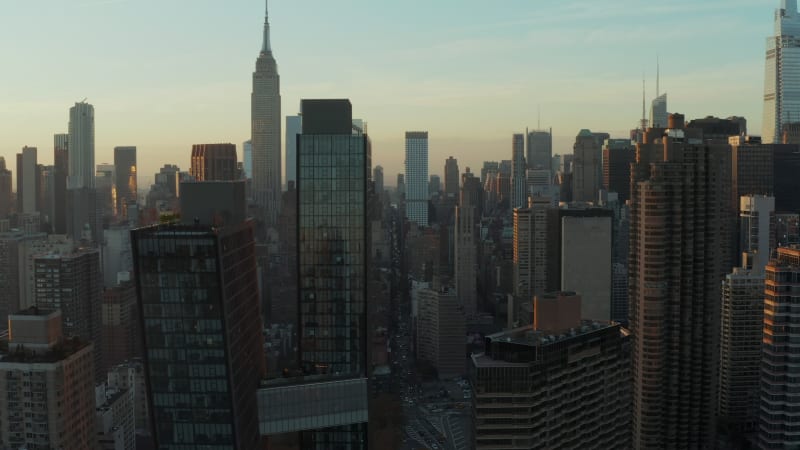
164,74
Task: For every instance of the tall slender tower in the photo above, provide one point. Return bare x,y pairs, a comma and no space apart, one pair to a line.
265,114
417,177
782,73
465,253
519,195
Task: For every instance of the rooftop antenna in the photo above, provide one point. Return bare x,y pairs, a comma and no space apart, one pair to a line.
643,123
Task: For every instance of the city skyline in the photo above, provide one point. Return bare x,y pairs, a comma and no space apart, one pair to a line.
403,77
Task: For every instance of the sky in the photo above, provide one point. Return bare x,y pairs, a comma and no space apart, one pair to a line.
166,74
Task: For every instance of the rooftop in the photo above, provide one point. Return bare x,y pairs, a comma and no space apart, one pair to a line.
59,352
528,336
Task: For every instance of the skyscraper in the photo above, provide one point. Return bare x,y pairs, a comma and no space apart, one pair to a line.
441,330
200,318
519,194
294,126
106,189
679,196
618,154
81,146
658,112
778,400
27,183
465,259
265,113
5,190
782,73
377,177
539,153
586,167
213,162
61,166
417,177
586,263
125,178
451,177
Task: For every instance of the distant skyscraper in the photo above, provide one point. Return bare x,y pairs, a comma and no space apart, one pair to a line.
586,167
265,113
125,178
675,300
377,177
401,184
106,191
658,112
782,73
61,166
519,195
27,183
5,190
81,146
48,400
434,185
417,177
211,347
294,126
778,402
539,153
757,230
465,258
247,158
618,154
214,162
452,177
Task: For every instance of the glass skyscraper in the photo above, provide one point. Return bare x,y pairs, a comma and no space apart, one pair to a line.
417,177
782,73
199,307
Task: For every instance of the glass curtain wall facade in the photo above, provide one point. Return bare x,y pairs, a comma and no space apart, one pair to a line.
782,73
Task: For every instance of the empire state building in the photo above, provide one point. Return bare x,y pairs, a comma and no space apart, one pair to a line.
265,114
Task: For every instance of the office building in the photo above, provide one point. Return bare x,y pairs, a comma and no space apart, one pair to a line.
434,185
114,415
519,194
530,235
106,189
452,177
787,230
125,179
247,158
586,263
377,178
586,166
781,73
120,340
47,384
619,293
294,126
81,146
61,166
265,114
116,254
539,151
465,259
130,376
213,162
417,177
715,128
786,159
618,154
778,401
752,167
6,194
757,230
27,181
72,283
563,384
213,347
675,299
441,332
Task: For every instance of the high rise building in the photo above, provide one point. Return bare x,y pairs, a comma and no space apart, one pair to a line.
265,114
6,194
715,128
61,166
618,154
106,189
539,152
72,283
120,332
530,244
47,384
585,167
757,230
658,112
210,347
27,182
786,159
679,201
752,167
434,185
377,177
214,162
441,332
294,126
519,194
781,100
81,146
565,383
465,259
451,177
417,177
778,401
125,178
586,263
114,416
247,158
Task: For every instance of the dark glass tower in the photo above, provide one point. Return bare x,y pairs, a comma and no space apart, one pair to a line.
332,174
199,304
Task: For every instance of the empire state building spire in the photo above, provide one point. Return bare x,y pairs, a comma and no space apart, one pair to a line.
265,47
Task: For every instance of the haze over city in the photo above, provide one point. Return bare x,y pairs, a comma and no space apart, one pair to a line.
164,75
